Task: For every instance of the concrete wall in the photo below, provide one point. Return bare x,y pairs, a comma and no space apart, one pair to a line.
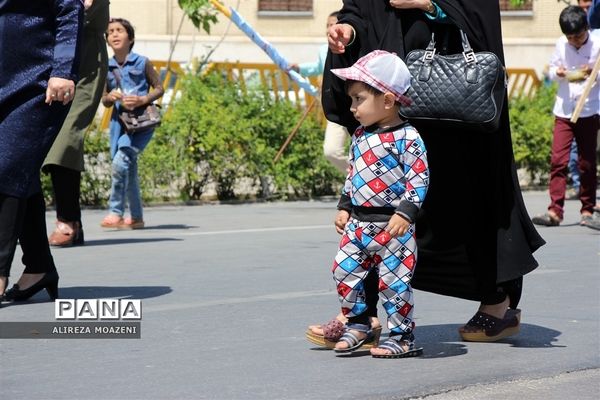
529,36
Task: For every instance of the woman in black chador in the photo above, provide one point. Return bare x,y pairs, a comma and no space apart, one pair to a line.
474,236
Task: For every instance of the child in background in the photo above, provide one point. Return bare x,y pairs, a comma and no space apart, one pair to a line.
336,136
575,54
130,77
383,192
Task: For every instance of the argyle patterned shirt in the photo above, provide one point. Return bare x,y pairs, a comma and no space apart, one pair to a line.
388,174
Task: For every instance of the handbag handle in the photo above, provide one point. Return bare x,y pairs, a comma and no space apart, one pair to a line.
472,76
468,52
117,75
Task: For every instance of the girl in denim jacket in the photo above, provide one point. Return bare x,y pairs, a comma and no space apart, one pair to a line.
130,77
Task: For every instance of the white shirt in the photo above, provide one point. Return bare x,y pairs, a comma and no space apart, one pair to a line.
568,94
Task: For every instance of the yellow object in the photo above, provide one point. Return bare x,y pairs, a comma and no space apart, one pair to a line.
576,75
522,82
221,8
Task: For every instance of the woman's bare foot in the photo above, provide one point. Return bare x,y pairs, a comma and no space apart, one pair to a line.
3,280
495,310
28,280
318,329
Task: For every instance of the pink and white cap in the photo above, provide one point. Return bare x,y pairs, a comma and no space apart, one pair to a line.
382,70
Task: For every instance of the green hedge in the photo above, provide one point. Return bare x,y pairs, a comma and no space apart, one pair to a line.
215,134
218,134
531,122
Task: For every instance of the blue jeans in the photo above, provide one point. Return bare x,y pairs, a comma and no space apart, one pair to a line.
125,182
573,168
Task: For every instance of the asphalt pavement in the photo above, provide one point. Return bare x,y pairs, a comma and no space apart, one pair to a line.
228,290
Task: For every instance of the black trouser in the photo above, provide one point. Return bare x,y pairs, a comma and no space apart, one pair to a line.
498,293
12,210
371,283
24,220
66,183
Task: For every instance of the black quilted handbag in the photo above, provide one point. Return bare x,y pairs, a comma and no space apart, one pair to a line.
466,88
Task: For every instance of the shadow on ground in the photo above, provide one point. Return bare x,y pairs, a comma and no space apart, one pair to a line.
444,341
98,292
170,226
123,292
441,341
110,242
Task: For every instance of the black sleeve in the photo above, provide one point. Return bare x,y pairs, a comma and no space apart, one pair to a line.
345,203
335,101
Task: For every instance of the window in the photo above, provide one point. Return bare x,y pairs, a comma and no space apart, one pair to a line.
516,5
285,5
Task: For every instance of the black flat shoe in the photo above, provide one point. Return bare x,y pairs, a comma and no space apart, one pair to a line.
49,282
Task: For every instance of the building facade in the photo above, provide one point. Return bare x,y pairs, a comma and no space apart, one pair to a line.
297,29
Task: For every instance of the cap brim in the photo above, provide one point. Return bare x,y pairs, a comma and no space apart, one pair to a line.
351,73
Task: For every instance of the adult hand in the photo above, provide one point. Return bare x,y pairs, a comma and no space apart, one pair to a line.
424,5
59,89
341,219
338,37
87,4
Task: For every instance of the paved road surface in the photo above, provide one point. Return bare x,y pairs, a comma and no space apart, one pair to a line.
228,290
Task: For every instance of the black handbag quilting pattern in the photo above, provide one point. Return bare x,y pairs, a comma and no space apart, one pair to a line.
466,88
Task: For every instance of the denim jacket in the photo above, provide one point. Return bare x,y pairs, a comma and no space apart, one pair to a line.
132,81
132,75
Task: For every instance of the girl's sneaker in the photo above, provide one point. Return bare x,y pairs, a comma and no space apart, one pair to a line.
131,223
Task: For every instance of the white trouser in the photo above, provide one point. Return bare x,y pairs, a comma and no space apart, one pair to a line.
334,146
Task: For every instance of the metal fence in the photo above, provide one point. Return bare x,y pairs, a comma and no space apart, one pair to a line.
521,82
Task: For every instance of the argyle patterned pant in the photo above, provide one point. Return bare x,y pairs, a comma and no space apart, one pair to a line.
367,245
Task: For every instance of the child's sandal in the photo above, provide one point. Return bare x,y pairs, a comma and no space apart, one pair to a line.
399,346
353,342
